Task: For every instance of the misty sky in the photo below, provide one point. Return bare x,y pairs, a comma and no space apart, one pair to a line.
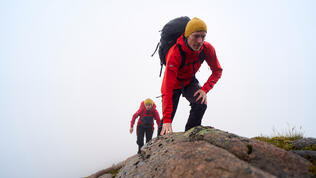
72,74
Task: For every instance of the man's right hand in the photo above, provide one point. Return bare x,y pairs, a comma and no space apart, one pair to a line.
166,129
131,130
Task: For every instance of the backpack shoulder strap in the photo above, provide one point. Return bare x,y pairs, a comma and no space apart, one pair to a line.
182,53
202,56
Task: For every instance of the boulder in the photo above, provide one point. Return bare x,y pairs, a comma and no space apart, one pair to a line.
304,143
209,152
264,156
309,155
190,160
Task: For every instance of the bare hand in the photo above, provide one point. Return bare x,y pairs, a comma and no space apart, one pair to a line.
202,95
166,129
131,130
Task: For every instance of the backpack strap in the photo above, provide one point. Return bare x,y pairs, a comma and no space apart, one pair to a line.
202,56
161,63
155,49
182,53
160,69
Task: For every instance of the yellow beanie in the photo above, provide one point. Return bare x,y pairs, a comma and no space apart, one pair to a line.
194,25
148,101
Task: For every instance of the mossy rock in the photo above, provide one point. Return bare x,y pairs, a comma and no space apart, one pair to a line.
114,172
290,143
305,144
312,169
281,142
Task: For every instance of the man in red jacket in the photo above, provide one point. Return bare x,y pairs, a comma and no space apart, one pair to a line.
147,112
180,78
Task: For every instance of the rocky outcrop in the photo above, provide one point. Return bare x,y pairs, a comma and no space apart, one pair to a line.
309,155
189,159
305,144
208,152
306,147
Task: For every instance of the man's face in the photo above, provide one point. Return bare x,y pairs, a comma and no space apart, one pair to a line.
148,106
196,39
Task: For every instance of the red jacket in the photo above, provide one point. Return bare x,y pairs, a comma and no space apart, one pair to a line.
172,72
142,112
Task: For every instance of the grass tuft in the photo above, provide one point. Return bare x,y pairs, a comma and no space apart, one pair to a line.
291,132
282,139
281,142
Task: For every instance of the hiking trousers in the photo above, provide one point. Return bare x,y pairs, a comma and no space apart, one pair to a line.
141,132
197,109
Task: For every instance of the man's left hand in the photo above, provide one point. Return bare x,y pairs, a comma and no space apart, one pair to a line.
202,95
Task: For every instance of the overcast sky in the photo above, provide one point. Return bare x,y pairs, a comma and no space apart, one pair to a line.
72,74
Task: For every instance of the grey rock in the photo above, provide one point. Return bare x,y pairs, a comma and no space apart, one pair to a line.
208,152
189,159
262,155
303,143
309,155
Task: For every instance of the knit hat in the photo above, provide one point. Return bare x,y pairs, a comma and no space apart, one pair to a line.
194,25
148,101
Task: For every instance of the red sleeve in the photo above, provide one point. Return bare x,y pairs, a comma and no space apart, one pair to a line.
216,68
157,117
137,113
173,59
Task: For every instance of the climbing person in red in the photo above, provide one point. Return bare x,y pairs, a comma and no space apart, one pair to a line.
147,112
179,78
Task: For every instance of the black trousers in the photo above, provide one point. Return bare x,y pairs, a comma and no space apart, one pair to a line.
197,109
141,132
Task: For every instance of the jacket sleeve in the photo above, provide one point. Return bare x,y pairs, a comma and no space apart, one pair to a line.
173,59
216,68
157,117
137,113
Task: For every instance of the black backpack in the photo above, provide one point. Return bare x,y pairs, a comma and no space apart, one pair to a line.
169,35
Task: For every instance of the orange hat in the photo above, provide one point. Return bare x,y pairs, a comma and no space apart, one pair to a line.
148,101
195,25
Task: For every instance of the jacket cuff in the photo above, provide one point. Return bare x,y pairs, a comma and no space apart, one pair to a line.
167,120
206,89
